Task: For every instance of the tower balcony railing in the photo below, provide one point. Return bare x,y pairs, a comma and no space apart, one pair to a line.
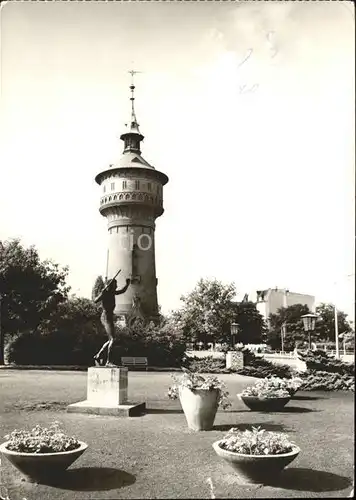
135,197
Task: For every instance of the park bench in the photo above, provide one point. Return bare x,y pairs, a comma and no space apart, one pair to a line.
136,362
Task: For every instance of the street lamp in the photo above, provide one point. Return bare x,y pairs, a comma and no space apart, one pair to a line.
309,325
234,329
283,335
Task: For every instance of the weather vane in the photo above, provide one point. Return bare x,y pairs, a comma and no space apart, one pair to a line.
132,73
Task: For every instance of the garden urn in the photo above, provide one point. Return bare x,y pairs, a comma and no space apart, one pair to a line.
199,407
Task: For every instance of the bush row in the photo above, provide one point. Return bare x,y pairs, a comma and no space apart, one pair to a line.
282,371
326,381
160,344
205,365
313,379
254,366
320,361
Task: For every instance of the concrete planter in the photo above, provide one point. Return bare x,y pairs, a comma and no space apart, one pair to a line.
199,407
256,469
264,404
41,466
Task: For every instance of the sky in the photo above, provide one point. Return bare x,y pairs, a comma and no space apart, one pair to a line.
248,108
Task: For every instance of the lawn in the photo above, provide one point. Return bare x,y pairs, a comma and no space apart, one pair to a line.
157,456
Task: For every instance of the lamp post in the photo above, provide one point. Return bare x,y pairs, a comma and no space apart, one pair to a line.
309,325
234,329
283,334
337,352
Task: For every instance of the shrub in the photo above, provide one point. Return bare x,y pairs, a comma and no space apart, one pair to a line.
223,348
162,344
56,348
206,365
327,381
320,361
256,442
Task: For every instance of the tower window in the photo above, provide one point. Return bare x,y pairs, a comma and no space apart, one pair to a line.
124,185
148,186
157,189
137,184
104,189
112,186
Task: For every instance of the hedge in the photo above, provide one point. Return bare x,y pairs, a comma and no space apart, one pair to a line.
314,380
320,361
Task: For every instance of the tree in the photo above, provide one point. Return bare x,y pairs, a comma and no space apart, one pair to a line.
97,287
292,317
207,312
252,328
30,289
325,325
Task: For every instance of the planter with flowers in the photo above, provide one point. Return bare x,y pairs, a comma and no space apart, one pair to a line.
43,452
292,385
200,397
264,396
257,455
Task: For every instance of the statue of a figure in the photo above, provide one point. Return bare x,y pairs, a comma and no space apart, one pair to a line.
107,298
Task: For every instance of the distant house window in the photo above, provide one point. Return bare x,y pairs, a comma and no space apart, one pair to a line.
149,186
137,184
124,185
112,186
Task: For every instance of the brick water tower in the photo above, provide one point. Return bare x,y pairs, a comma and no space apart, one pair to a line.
131,200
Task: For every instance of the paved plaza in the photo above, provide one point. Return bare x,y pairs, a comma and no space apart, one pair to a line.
157,456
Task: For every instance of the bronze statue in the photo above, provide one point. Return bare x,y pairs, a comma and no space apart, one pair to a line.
107,298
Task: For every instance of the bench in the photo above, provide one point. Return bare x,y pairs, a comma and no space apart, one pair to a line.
134,362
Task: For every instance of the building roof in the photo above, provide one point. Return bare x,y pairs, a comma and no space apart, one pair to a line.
132,159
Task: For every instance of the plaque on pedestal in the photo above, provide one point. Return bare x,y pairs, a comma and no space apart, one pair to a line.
107,394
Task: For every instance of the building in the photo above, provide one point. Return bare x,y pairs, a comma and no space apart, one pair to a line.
269,301
131,199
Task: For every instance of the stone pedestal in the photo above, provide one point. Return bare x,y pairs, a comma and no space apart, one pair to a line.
234,360
107,394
